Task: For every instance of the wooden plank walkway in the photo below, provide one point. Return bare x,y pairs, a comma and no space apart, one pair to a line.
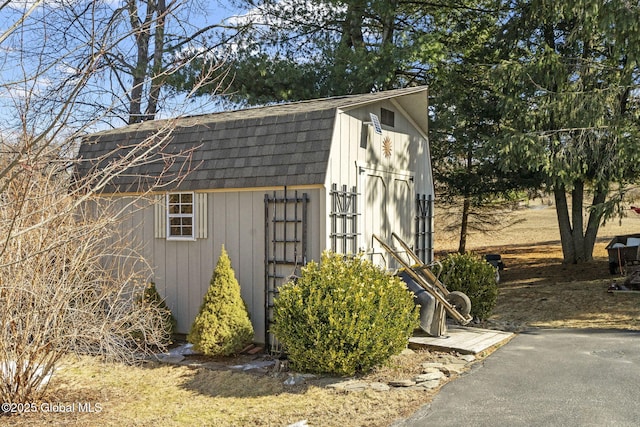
463,339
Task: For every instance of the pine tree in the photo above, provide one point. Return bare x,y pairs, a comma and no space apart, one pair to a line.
569,82
222,327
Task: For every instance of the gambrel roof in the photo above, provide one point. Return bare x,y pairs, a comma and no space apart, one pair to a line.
276,145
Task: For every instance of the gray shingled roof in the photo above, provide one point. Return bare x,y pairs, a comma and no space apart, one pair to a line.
284,144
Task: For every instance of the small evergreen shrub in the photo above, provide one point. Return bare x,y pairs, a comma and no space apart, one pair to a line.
472,275
222,327
343,315
150,299
151,296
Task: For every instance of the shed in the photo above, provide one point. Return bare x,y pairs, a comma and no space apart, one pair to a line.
277,185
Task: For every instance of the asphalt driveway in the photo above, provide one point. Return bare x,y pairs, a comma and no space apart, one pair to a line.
546,377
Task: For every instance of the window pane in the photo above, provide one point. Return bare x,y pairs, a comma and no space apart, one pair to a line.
180,214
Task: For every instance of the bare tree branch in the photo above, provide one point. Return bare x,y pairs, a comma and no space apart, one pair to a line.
71,272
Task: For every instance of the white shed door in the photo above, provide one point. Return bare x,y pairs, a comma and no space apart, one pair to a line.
388,202
402,218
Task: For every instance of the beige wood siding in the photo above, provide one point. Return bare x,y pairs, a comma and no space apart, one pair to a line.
182,270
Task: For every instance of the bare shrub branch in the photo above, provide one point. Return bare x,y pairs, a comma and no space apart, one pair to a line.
71,276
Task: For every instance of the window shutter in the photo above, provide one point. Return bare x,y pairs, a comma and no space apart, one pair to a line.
201,216
160,216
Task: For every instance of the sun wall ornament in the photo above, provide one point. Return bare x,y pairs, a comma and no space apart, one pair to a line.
387,147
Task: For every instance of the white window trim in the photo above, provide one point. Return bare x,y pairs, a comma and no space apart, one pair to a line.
193,217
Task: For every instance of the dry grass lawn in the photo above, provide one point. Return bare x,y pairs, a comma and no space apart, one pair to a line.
536,291
156,394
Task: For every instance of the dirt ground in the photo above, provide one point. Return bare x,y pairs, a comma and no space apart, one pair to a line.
538,290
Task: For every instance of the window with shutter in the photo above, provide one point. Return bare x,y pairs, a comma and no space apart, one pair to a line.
181,216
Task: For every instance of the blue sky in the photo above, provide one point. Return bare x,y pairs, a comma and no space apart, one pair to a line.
21,54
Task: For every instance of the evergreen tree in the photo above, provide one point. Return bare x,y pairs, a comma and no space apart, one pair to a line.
151,297
222,327
570,81
464,123
298,49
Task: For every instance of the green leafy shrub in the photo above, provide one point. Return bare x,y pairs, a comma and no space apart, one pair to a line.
343,315
222,327
472,275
